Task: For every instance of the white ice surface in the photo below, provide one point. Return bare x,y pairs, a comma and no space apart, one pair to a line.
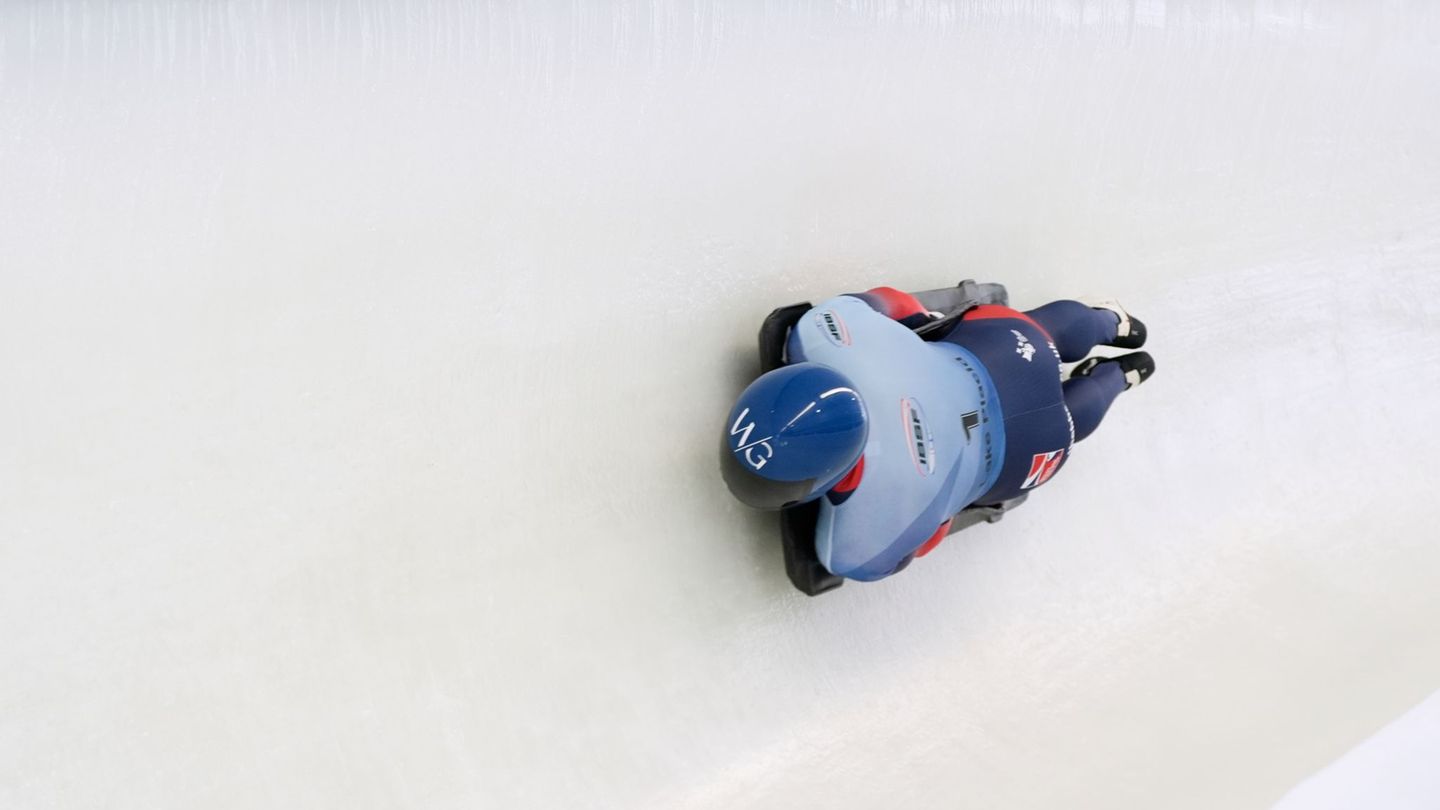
1395,769
361,365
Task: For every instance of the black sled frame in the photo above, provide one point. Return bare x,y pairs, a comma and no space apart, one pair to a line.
797,523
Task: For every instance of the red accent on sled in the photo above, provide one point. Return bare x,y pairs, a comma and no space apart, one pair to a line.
934,540
852,478
898,303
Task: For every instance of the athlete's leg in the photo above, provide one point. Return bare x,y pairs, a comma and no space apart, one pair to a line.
1075,327
1089,397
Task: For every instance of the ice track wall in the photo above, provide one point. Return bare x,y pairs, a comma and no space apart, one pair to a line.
360,368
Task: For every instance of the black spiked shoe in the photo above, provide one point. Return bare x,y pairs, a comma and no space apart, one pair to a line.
1136,366
1131,332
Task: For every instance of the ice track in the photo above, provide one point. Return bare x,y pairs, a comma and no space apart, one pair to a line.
361,366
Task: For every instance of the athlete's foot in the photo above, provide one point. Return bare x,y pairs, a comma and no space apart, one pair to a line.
1136,366
1130,333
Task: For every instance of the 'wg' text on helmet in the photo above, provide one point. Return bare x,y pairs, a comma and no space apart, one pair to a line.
794,433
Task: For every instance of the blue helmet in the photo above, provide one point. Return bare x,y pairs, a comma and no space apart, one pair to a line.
794,434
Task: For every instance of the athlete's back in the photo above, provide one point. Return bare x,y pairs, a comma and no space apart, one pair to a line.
934,443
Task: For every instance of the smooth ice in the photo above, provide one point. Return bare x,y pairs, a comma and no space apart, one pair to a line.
1394,769
362,366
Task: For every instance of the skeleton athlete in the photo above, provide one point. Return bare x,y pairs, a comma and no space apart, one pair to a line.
897,434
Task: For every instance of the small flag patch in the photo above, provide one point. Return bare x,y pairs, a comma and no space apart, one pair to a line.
1042,466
